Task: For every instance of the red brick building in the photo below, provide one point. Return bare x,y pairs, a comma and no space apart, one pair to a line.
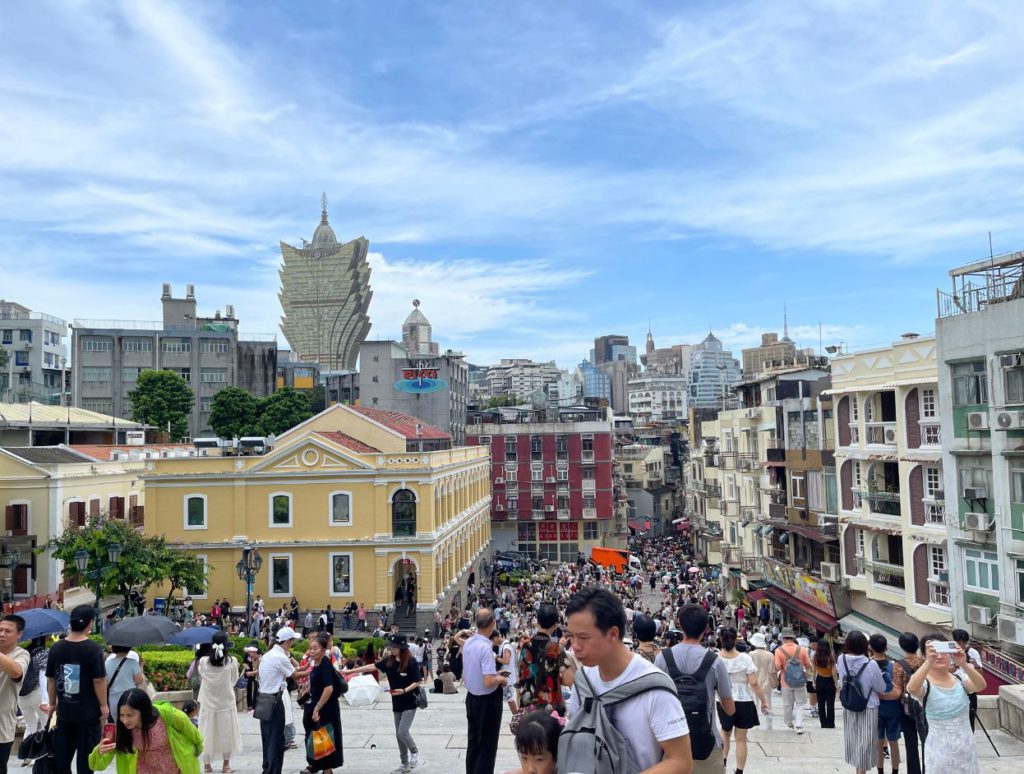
551,478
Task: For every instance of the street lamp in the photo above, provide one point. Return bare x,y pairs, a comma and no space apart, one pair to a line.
248,568
102,568
9,562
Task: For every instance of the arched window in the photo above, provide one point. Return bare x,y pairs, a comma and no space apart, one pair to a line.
403,514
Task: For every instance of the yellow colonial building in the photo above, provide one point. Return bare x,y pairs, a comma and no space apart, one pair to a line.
346,507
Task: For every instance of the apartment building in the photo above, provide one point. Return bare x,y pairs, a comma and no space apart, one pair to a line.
34,345
650,485
980,335
655,399
207,352
346,507
888,455
552,478
520,377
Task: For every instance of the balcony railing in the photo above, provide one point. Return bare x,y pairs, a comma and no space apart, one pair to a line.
777,510
884,503
883,572
938,593
588,485
713,490
880,433
751,564
934,513
590,513
563,513
931,432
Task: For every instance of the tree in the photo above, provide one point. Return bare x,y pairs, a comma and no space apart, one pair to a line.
162,398
234,413
184,571
143,561
318,399
282,411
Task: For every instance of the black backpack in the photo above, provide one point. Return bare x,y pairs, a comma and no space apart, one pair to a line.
692,691
850,694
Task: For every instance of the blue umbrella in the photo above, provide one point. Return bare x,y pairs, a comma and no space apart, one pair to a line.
195,635
40,621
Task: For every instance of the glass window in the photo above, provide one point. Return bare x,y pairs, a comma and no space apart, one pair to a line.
981,570
341,508
213,346
527,531
8,336
590,530
1017,483
970,383
21,358
96,375
176,345
927,403
562,474
25,335
932,481
97,345
195,508
130,374
213,375
1019,571
936,560
1015,385
537,474
341,573
280,510
971,476
403,514
281,575
136,345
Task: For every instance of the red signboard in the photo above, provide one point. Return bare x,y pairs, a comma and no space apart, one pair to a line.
419,373
568,530
547,531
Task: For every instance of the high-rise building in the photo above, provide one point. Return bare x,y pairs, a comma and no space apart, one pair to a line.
669,361
713,373
325,294
207,352
773,353
596,383
608,349
414,377
34,345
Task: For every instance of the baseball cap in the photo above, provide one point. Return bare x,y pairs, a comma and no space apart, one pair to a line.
286,633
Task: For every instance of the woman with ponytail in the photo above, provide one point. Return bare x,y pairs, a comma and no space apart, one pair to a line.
218,718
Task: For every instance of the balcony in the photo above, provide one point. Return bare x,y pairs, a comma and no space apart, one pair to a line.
934,513
590,513
880,434
931,432
751,565
537,515
884,503
938,593
588,485
563,514
776,453
713,490
587,456
883,572
777,511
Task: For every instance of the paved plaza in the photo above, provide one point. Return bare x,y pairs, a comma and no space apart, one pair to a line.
440,732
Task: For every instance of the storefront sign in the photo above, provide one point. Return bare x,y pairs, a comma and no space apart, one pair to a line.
1002,666
806,588
420,379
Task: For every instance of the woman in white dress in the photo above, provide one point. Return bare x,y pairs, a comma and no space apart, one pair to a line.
949,747
218,718
745,689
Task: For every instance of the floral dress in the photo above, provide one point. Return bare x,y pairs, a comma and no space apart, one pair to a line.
949,747
157,758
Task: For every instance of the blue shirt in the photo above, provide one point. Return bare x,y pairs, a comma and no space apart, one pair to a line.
477,661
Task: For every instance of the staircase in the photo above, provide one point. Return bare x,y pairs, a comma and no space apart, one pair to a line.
406,623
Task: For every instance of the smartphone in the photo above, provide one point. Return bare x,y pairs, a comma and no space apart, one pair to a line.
108,731
505,674
944,647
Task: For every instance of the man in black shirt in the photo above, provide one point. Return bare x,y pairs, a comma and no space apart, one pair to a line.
76,686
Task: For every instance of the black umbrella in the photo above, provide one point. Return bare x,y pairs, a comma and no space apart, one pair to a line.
141,630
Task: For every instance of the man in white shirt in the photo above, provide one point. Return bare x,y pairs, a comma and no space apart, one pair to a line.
275,668
653,722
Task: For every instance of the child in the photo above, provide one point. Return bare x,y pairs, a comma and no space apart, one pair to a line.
537,743
191,708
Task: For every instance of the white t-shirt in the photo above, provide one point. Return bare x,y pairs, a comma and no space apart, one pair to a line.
738,669
511,666
645,720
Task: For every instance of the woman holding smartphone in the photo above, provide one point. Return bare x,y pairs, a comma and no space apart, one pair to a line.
403,675
148,738
949,747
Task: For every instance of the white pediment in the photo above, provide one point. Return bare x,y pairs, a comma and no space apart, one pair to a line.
308,456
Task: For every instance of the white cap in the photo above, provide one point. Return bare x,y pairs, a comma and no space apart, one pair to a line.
286,633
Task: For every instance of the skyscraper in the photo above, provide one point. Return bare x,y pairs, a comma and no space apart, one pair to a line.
325,294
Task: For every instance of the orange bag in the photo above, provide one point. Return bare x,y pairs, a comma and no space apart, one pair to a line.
320,743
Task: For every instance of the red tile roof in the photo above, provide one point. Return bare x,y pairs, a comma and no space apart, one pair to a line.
403,424
343,439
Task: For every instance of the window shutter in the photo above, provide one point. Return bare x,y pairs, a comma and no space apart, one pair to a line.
9,515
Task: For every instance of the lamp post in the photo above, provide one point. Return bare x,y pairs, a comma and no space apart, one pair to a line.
99,569
248,567
9,559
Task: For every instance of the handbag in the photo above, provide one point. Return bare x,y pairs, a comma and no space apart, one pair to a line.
421,698
320,743
265,704
38,744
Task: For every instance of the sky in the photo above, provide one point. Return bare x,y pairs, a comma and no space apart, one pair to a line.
537,174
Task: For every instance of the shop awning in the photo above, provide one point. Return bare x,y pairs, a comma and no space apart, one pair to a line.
682,526
858,622
756,596
814,616
640,526
808,531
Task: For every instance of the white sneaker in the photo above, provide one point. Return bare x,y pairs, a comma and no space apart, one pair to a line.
414,759
799,729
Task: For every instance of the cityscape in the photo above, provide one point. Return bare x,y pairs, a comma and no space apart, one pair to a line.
303,392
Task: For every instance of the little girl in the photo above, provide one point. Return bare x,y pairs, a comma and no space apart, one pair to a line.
537,743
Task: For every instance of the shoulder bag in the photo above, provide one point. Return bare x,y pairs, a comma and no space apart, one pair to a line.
265,704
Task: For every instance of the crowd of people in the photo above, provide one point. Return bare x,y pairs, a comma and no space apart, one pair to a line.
682,674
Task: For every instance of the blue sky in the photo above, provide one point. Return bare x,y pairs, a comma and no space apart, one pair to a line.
536,173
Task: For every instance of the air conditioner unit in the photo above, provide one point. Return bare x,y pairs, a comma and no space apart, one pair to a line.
979,614
549,480
977,420
942,577
890,435
830,572
499,481
1011,360
980,522
549,508
499,507
975,493
745,522
1011,629
1009,420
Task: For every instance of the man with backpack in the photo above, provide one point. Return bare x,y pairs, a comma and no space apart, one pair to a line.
793,664
543,666
912,718
698,675
624,717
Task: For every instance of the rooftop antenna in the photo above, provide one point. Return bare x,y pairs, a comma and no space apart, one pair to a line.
323,207
991,255
785,322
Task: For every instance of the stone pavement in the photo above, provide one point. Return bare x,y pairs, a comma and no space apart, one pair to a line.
440,732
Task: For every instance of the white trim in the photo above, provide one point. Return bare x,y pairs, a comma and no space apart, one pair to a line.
351,574
206,572
270,510
270,574
184,510
399,488
330,508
